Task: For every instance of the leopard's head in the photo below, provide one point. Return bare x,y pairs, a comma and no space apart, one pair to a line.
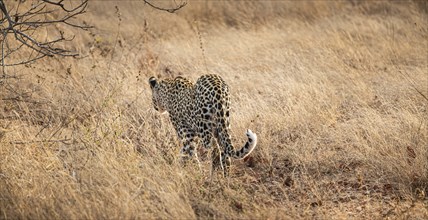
157,94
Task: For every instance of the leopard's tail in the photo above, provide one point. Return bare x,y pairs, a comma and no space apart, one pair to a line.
223,134
248,147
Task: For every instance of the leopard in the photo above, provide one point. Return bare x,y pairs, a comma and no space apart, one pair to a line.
201,111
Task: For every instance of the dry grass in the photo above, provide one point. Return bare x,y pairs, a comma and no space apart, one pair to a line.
331,89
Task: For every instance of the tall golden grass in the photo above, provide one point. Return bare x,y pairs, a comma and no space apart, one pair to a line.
334,90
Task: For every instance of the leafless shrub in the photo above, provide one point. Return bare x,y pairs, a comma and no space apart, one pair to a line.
25,20
21,25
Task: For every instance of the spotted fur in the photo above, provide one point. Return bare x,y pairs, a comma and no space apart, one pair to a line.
201,111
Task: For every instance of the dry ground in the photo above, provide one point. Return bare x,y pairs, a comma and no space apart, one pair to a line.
332,88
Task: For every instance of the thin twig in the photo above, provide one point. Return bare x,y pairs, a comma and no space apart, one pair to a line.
412,83
41,141
170,10
2,53
201,46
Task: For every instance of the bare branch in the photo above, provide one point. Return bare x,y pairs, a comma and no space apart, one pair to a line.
170,10
23,22
59,3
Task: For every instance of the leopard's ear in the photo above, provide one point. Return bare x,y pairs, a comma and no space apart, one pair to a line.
152,81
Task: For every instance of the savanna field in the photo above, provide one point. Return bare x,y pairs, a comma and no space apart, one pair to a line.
335,90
